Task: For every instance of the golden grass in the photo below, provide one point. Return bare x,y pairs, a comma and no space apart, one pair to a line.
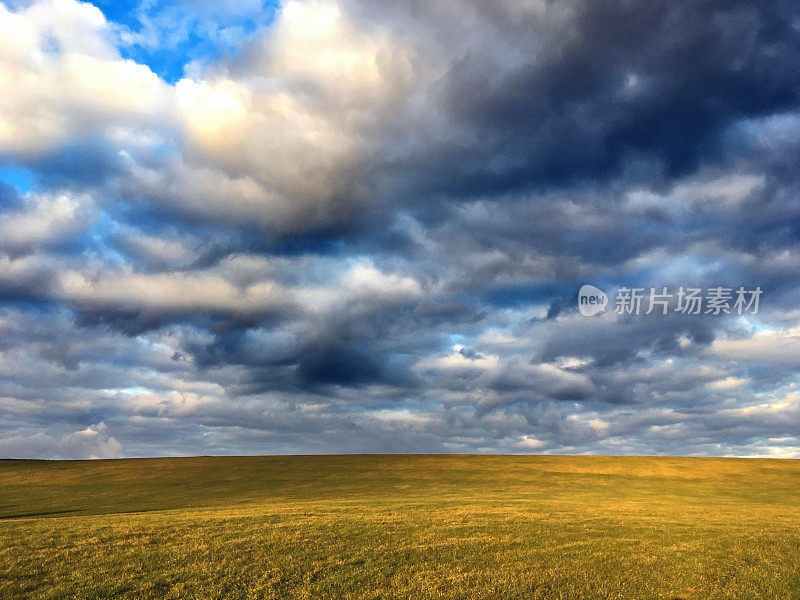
401,527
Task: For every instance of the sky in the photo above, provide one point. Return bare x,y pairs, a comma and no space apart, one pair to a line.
334,226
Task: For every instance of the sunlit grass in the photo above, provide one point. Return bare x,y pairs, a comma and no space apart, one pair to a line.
401,527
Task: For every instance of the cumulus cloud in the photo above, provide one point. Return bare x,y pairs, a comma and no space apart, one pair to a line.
772,347
91,442
44,221
68,80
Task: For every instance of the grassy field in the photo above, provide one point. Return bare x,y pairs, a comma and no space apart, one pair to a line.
402,527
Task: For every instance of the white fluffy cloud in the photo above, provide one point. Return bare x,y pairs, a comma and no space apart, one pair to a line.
280,137
45,220
68,79
236,286
91,442
772,347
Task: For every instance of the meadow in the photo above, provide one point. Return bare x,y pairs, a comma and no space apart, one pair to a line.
401,527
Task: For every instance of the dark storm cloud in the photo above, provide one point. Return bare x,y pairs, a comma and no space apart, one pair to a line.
606,342
621,81
568,91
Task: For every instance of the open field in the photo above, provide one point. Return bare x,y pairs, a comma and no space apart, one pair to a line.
401,527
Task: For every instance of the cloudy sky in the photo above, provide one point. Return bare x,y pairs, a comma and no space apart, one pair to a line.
348,226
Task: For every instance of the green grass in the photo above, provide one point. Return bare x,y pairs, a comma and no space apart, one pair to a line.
401,527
